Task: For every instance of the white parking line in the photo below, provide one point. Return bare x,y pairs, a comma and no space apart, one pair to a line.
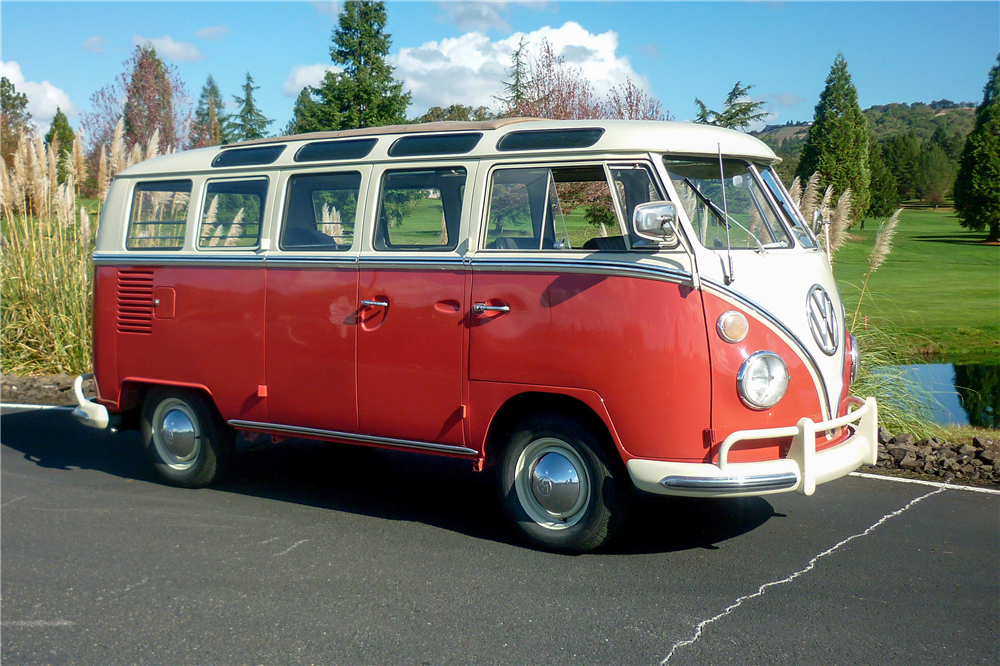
14,405
932,484
39,623
809,567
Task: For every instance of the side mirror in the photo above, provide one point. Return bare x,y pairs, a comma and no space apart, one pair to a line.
656,221
817,220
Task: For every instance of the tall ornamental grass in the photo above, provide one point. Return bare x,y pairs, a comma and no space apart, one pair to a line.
45,250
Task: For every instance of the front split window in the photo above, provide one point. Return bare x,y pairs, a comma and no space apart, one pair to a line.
727,208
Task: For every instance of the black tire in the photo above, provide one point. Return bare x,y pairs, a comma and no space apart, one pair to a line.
186,441
576,517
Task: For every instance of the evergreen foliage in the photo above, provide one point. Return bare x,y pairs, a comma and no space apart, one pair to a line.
62,135
455,112
14,120
738,113
212,126
837,145
977,188
365,93
884,192
515,92
149,102
902,155
248,122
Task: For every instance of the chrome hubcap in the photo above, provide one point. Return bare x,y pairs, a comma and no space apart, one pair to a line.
555,483
176,434
552,483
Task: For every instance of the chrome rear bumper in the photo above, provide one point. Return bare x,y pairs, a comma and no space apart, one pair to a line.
801,471
88,412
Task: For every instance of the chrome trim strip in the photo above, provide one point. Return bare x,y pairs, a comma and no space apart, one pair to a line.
782,481
406,263
354,437
586,266
149,259
306,260
774,321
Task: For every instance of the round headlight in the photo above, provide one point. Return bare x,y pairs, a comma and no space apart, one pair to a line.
732,326
762,380
855,358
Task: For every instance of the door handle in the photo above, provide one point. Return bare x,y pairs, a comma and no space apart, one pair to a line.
374,304
480,308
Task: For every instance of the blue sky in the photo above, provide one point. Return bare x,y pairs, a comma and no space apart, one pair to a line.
60,53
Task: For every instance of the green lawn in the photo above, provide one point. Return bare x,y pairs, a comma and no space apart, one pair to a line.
940,286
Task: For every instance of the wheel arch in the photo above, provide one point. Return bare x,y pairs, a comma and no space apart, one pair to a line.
527,403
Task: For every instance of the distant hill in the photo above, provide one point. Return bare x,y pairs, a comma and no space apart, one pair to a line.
885,120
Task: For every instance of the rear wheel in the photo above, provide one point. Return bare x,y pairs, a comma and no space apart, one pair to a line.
560,487
185,440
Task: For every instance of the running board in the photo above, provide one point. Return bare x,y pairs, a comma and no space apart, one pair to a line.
354,437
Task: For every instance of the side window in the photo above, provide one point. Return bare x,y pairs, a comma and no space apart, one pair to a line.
159,215
320,212
420,210
553,208
231,213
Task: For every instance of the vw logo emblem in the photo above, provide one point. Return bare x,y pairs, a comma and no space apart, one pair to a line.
545,486
822,320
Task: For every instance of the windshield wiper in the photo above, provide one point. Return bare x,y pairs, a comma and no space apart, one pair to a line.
723,216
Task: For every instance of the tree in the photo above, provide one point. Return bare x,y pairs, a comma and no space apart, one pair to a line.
248,122
937,174
977,187
902,156
149,100
514,95
837,144
61,135
630,102
455,112
365,93
884,191
739,111
15,121
212,125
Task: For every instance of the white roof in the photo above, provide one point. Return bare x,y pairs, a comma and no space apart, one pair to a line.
625,136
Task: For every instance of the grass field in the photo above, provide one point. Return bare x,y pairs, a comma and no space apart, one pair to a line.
939,288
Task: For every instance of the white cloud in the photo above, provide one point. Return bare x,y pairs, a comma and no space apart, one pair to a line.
94,45
306,75
482,16
168,49
43,98
213,33
328,8
470,69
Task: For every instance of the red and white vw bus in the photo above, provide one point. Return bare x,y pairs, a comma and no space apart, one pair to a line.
591,307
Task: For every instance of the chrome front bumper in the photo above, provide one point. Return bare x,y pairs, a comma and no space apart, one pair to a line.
88,412
801,471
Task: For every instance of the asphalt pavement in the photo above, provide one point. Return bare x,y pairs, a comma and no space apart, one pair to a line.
322,554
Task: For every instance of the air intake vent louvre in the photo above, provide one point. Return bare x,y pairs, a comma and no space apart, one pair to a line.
135,301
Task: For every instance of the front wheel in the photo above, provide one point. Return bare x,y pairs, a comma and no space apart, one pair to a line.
559,486
187,443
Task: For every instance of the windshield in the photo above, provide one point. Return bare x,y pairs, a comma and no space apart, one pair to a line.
791,212
752,221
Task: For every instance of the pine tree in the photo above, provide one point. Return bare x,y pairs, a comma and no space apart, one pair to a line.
977,187
884,192
15,119
737,115
837,144
249,123
514,97
62,134
212,125
365,93
311,116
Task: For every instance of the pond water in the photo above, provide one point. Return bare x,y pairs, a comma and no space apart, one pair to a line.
962,394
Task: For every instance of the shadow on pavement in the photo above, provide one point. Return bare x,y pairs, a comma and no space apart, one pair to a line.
442,492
